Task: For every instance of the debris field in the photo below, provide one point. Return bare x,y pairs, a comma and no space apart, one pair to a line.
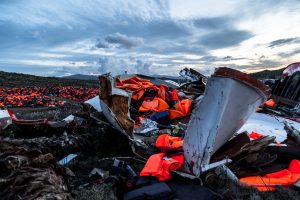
227,136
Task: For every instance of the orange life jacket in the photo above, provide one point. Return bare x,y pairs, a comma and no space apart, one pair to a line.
135,84
270,103
174,95
269,181
157,105
160,165
161,93
182,108
166,143
255,135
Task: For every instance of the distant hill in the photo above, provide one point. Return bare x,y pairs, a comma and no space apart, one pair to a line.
8,79
268,74
81,77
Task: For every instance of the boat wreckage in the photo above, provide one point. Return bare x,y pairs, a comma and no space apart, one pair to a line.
220,112
195,137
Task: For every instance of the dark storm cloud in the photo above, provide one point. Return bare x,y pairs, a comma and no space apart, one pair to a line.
210,58
253,65
286,41
289,53
165,29
123,40
224,38
213,23
230,58
261,64
37,38
220,32
164,32
101,44
170,49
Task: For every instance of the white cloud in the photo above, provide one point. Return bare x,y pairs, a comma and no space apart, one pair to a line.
117,66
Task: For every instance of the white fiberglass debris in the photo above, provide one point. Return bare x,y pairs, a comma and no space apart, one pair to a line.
172,82
69,118
292,68
95,102
67,159
230,98
268,125
297,108
4,118
4,114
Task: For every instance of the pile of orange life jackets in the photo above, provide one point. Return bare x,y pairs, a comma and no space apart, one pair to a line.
159,103
163,99
40,96
159,165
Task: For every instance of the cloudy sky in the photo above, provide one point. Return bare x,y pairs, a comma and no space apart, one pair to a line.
56,38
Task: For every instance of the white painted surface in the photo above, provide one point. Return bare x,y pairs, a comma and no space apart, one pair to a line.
69,118
172,82
95,102
3,114
225,107
292,68
268,125
67,159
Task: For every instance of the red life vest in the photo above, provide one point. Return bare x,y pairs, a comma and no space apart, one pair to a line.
160,165
157,105
135,84
166,143
255,136
270,103
269,181
182,108
161,93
